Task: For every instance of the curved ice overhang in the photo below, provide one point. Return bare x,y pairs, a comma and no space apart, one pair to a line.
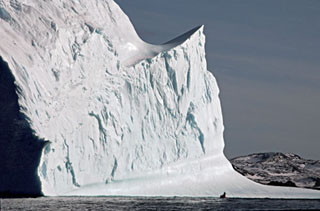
132,53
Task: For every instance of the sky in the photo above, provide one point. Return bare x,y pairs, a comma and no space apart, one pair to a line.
266,58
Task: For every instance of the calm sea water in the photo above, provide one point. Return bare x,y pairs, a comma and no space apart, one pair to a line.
154,203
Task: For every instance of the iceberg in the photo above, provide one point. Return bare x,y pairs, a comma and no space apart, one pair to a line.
114,114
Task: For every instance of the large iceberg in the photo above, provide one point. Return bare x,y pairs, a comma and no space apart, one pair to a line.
116,115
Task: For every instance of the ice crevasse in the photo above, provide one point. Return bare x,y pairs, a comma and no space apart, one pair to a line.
120,116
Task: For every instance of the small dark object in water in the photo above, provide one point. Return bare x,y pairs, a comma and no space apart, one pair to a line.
223,196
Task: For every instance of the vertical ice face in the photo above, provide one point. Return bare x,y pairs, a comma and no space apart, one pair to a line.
125,121
111,105
122,116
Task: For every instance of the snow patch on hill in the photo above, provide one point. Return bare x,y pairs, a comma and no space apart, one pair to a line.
283,169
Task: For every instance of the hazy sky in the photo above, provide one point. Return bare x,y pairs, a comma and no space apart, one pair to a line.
266,58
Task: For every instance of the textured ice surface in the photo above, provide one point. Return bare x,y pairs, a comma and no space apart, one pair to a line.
123,117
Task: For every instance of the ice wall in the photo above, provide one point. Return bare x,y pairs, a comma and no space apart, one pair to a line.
122,116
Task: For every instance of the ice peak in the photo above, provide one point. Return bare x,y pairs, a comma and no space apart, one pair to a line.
136,52
185,36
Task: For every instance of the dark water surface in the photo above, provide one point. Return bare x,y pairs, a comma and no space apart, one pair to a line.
155,203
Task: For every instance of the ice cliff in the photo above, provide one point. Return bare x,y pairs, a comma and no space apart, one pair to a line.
120,116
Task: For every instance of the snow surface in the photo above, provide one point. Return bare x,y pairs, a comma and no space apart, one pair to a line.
123,117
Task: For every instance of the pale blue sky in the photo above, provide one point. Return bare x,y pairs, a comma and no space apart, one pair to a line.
266,57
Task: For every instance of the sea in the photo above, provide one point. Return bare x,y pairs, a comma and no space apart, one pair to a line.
154,203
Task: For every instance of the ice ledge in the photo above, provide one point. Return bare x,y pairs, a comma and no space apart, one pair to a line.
148,51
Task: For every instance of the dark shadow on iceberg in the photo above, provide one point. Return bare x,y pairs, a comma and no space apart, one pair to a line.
182,38
20,149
